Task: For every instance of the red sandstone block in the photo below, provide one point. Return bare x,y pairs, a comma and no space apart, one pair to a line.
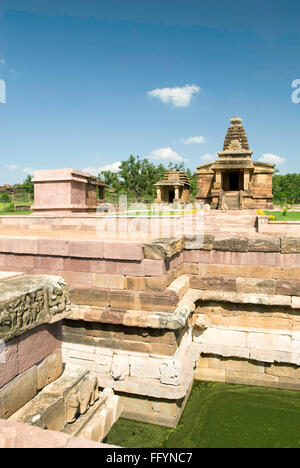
175,261
76,264
48,263
19,261
258,258
37,344
25,245
122,250
10,368
97,266
77,279
86,249
287,260
191,256
204,256
53,247
225,258
124,268
114,316
17,435
154,267
41,271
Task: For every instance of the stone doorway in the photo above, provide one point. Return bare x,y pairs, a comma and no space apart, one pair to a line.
171,196
233,181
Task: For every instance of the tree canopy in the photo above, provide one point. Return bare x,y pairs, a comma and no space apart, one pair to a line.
286,188
136,177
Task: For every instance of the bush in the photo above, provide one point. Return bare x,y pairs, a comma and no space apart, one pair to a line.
6,207
4,197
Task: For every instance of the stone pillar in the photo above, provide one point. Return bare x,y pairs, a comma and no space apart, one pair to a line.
246,180
158,190
218,179
176,193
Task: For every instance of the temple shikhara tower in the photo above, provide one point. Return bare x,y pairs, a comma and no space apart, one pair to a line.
234,180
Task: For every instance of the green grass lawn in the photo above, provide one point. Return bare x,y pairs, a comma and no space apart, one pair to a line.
290,216
3,213
222,416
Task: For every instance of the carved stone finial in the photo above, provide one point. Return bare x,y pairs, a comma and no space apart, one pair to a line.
236,120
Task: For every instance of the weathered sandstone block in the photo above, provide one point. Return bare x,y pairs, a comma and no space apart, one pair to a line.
36,345
49,369
29,301
290,245
233,244
295,302
222,283
288,287
44,411
162,249
17,393
255,285
264,244
9,365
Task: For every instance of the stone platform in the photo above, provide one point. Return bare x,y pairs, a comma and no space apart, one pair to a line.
144,312
33,387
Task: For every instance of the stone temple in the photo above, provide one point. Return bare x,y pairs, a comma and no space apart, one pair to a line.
175,187
234,181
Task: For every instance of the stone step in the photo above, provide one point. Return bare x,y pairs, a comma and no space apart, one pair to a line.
72,404
96,423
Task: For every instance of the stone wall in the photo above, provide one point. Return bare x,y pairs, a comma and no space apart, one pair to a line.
241,371
142,313
264,226
24,436
31,313
33,387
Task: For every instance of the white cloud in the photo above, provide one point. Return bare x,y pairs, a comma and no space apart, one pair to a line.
208,158
165,153
272,158
27,170
179,97
2,61
195,139
13,167
16,167
114,167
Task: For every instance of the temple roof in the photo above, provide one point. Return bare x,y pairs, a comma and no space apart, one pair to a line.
174,178
236,153
236,133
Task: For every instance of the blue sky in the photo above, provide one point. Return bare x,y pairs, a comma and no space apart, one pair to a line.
79,77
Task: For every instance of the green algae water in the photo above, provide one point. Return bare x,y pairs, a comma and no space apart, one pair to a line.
222,416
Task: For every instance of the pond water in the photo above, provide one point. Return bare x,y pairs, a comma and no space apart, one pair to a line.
222,415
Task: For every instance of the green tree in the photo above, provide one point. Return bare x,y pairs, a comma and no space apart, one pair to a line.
286,188
28,184
137,177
